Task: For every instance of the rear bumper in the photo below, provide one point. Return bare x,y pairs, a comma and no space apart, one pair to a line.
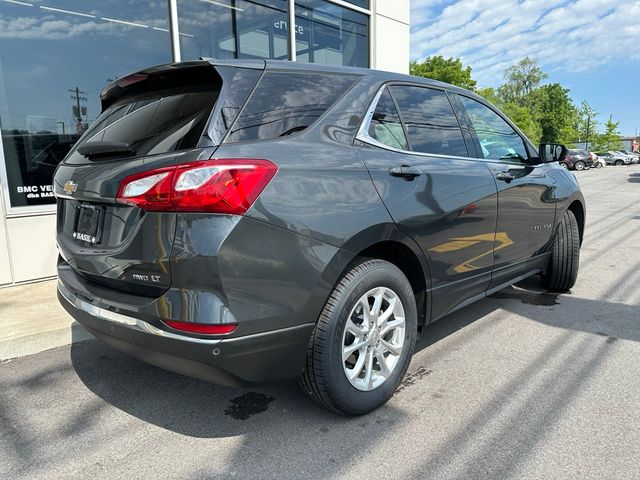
256,358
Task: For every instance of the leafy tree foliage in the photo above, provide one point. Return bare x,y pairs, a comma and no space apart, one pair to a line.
449,70
610,139
554,112
586,123
521,80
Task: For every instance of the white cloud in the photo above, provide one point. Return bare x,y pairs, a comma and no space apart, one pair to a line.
489,35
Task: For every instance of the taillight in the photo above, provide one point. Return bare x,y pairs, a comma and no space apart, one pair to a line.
202,328
216,186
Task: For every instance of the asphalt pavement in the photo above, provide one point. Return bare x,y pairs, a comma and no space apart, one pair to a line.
524,384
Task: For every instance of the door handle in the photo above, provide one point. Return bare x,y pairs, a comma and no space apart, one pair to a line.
405,171
505,176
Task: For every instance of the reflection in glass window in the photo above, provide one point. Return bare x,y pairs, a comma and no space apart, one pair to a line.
153,125
330,34
287,103
359,3
430,121
499,141
385,124
228,29
54,60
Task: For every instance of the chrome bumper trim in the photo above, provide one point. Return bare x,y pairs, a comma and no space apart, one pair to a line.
127,321
142,326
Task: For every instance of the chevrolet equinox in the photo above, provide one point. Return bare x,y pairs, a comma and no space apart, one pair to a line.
249,221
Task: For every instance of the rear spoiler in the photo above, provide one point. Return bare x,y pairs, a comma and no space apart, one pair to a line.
171,76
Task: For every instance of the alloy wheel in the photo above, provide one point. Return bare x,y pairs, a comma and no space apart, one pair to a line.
373,338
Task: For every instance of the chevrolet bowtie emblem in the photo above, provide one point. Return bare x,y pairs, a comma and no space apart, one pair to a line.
70,187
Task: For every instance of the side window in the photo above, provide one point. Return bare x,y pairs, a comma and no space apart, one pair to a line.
385,124
499,141
430,121
287,103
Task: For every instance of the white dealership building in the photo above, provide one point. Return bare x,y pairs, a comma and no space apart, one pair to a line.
56,56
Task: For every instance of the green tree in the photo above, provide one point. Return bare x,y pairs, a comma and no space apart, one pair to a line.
555,113
610,139
521,80
587,123
449,70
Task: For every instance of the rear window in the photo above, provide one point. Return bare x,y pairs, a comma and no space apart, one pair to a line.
153,124
430,121
287,103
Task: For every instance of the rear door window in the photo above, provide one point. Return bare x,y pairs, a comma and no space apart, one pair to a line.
288,103
430,121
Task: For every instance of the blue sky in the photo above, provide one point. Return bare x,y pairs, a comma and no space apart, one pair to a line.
591,47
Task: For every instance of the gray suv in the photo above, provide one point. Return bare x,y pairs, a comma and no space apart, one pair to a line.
250,221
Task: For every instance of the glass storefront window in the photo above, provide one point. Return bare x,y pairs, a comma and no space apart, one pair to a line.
227,29
325,32
55,58
330,34
359,3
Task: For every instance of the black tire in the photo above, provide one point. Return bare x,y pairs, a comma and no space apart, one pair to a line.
564,165
619,163
562,271
579,165
598,165
324,378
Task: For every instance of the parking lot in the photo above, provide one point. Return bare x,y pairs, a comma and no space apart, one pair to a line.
523,384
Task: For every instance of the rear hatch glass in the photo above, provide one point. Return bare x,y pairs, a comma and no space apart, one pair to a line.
150,125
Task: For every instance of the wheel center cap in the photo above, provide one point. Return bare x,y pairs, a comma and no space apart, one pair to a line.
374,336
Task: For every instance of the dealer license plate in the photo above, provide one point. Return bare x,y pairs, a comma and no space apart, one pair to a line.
88,224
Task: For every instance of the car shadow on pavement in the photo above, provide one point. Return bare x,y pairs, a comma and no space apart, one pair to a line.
324,441
200,409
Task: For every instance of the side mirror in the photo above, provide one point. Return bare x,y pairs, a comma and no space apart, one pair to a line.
551,152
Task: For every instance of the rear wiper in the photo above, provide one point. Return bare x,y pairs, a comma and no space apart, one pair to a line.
105,149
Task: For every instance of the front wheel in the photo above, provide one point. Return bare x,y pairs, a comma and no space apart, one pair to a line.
363,341
579,165
619,163
562,271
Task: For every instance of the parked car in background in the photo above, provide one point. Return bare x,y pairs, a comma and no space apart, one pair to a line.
635,157
615,158
249,221
598,162
576,160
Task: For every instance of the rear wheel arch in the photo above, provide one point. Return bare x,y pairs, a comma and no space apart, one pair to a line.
404,253
578,211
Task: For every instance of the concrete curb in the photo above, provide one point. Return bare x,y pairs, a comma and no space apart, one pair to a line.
40,341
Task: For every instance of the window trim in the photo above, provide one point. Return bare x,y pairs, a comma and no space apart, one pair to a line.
363,131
